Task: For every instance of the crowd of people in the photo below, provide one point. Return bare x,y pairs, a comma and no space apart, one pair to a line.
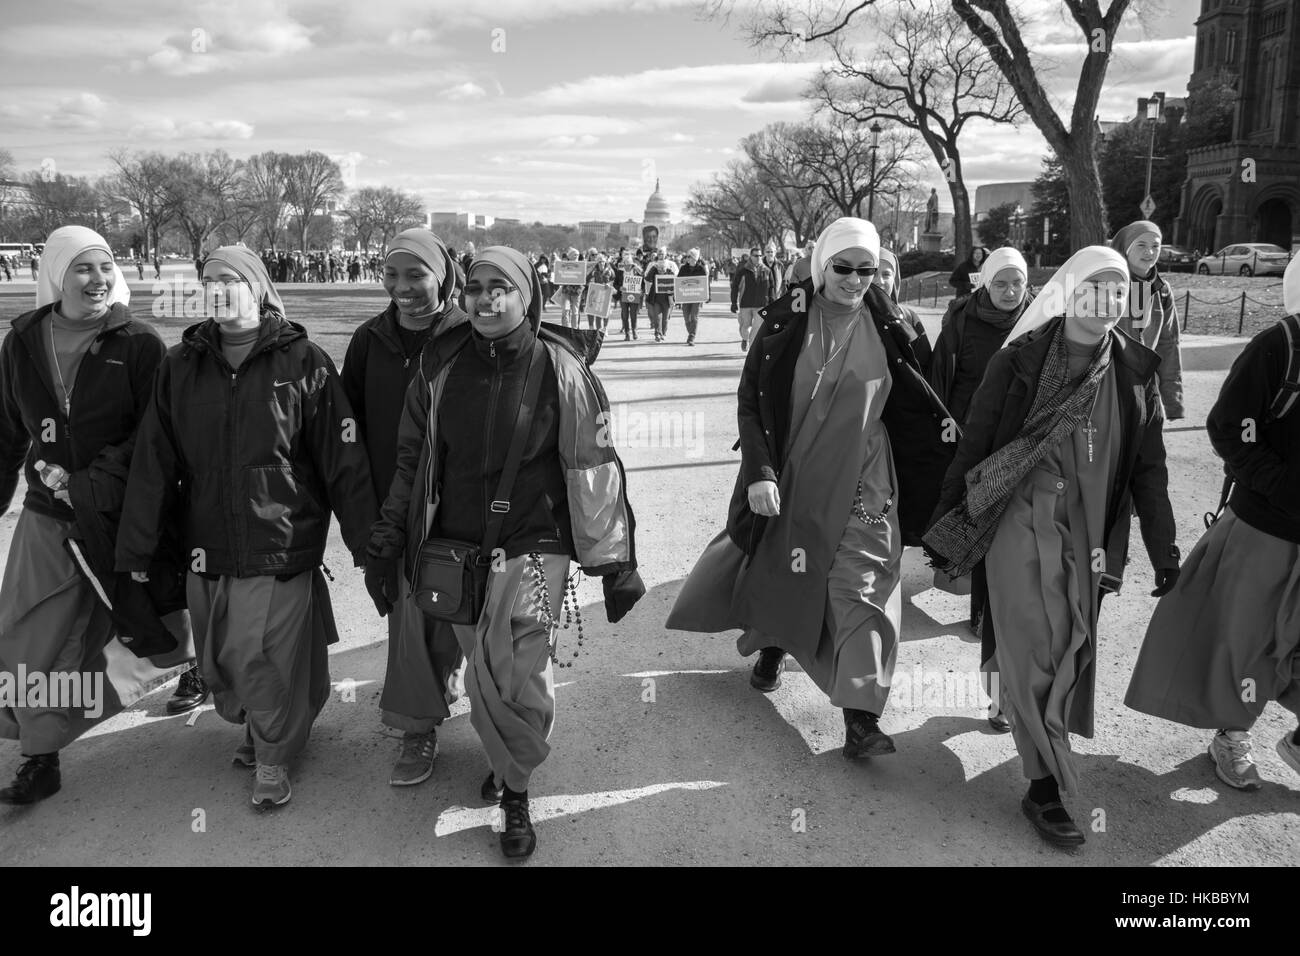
181,528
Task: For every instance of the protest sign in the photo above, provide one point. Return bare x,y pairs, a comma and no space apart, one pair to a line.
664,284
689,289
600,298
570,273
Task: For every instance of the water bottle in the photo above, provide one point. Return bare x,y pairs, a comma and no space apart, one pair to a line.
53,476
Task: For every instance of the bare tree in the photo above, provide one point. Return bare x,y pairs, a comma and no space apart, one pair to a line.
311,181
396,210
923,72
838,156
61,201
263,190
144,181
204,186
999,28
776,152
732,204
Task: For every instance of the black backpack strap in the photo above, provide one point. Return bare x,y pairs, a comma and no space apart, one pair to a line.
523,424
1224,494
1289,390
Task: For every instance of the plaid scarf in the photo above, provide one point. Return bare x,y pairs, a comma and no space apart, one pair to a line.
962,537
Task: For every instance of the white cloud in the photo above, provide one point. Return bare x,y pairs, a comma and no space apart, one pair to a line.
165,128
419,36
586,139
82,111
679,138
722,86
464,91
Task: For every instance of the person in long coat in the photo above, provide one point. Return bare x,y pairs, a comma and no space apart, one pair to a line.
1152,315
569,502
249,417
425,672
1063,440
841,458
78,357
1226,640
971,332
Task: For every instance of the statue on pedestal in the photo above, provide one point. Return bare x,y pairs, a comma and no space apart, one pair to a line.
932,211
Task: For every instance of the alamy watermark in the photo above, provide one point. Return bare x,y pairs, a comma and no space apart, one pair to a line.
55,690
629,426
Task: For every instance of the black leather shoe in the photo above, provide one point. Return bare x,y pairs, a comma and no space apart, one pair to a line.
490,792
999,722
37,778
766,675
190,692
518,839
863,736
1064,834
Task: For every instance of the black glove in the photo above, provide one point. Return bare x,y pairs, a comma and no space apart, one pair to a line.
622,590
734,307
1166,578
381,583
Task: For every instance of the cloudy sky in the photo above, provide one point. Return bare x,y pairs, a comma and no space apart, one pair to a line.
542,109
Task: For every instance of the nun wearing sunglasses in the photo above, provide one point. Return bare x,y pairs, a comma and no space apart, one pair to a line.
842,456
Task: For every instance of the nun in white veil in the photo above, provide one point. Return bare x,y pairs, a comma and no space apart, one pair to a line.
1063,439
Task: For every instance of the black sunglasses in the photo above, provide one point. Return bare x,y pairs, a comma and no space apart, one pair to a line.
844,270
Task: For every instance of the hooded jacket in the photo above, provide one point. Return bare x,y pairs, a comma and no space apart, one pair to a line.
570,494
263,454
94,440
377,371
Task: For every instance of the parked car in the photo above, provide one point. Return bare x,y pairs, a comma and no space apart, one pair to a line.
1246,259
1176,259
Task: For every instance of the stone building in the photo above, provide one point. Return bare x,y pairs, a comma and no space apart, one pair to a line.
1247,189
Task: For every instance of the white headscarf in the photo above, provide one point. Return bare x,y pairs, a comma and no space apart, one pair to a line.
844,233
61,249
999,259
1291,287
1060,289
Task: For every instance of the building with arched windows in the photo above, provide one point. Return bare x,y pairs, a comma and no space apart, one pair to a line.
1247,188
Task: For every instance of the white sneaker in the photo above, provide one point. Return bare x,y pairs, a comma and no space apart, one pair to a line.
1230,751
272,785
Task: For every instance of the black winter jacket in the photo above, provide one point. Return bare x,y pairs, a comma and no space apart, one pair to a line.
913,415
263,454
94,441
375,374
998,412
1266,467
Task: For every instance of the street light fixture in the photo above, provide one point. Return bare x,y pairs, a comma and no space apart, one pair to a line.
1154,107
875,147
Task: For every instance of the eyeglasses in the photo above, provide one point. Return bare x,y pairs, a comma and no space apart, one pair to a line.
225,282
843,270
475,288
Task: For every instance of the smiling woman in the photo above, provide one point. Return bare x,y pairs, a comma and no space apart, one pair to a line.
424,659
79,357
249,419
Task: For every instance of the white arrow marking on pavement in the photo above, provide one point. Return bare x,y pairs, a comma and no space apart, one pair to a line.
671,673
1189,795
349,683
137,717
456,819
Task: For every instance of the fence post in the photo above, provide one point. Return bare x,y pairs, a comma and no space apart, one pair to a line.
936,293
1241,316
1187,304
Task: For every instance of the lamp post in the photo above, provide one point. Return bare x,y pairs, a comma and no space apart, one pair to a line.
875,147
1154,106
767,223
